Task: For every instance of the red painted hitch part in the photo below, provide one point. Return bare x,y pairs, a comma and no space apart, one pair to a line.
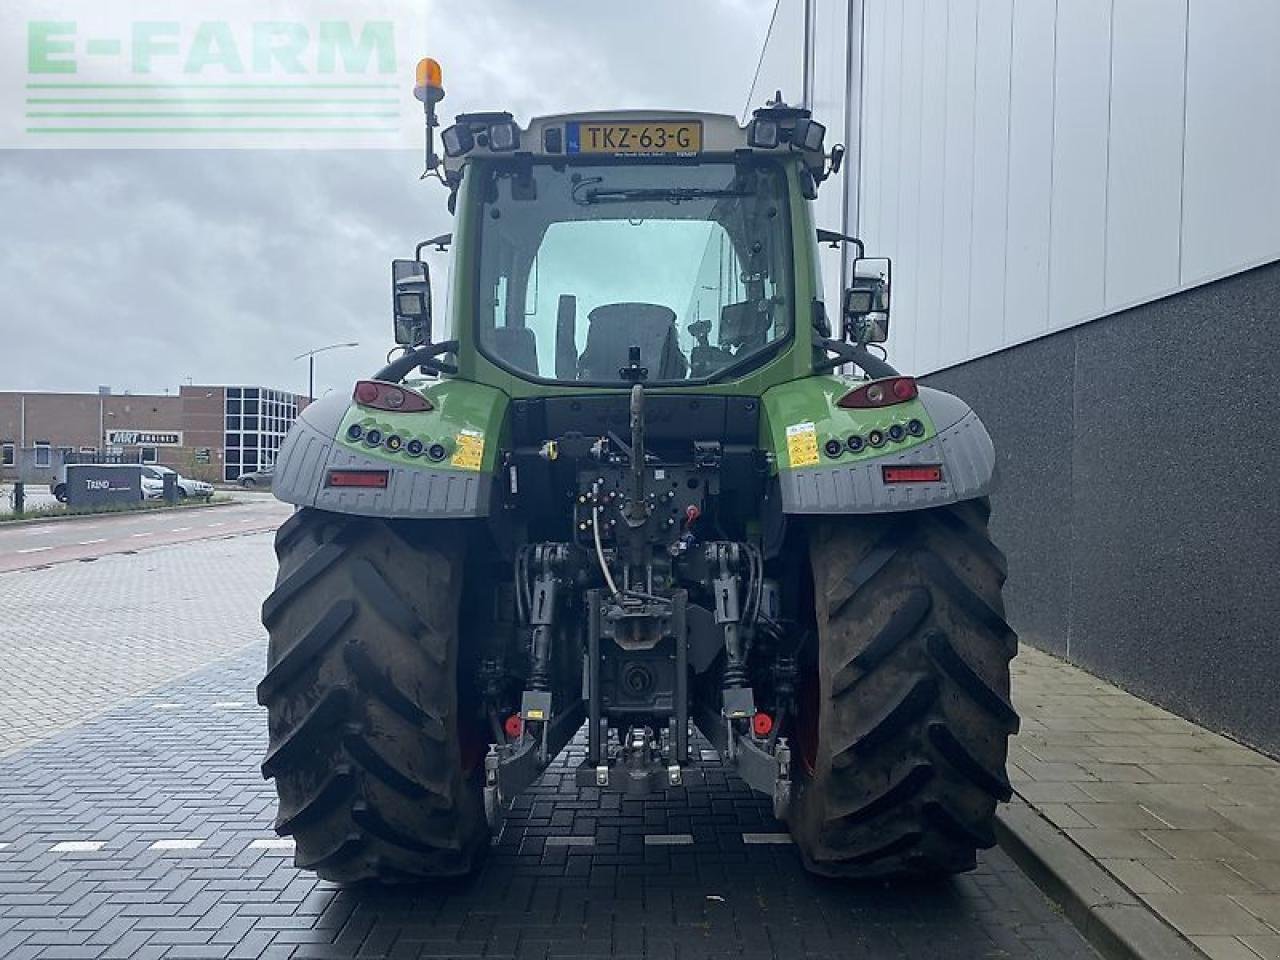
762,724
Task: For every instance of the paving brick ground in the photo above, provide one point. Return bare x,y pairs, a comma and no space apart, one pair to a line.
144,832
77,637
1186,819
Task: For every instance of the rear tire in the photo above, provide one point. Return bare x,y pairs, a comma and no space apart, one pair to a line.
362,699
911,695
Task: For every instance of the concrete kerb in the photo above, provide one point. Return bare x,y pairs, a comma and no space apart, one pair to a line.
142,512
1111,918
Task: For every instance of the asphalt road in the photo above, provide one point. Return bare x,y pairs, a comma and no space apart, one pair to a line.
134,822
42,542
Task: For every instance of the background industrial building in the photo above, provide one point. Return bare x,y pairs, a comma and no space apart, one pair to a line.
1082,204
209,432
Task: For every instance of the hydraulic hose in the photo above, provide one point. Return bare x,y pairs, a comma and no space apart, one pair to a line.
399,368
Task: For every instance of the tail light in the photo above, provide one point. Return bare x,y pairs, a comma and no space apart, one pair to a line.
880,393
376,479
381,395
924,473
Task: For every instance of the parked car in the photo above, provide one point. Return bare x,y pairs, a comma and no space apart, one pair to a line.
186,486
256,478
152,487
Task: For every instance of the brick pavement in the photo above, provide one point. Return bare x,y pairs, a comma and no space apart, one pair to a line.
145,831
572,875
78,637
1187,819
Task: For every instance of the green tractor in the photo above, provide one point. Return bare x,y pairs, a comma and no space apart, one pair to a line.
636,485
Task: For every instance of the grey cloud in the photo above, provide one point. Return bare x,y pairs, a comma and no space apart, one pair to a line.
139,268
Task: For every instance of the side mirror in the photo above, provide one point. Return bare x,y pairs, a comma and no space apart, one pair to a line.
866,303
411,301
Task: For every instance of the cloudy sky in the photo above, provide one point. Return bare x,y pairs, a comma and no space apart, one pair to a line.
139,269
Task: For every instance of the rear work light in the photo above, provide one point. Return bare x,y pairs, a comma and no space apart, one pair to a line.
923,473
381,395
880,393
376,479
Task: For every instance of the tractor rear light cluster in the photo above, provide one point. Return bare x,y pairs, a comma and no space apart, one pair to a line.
897,432
380,395
913,473
366,479
394,443
880,393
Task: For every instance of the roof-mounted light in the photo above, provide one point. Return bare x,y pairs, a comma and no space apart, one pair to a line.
458,140
763,134
808,134
504,137
429,81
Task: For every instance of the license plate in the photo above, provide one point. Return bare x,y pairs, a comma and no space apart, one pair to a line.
634,139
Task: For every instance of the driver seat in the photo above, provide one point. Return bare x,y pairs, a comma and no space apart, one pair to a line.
617,327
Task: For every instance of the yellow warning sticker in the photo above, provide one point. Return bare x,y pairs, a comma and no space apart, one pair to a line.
470,450
802,445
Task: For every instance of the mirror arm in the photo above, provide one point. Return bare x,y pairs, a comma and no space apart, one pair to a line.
868,362
423,356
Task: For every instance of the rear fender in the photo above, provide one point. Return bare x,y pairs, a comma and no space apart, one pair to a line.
801,419
334,434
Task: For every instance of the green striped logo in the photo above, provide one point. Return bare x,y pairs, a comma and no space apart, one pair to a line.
116,73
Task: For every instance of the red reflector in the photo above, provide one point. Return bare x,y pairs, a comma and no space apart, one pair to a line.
514,726
358,478
931,473
762,723
880,393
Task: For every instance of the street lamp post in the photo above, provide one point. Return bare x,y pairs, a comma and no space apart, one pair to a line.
311,365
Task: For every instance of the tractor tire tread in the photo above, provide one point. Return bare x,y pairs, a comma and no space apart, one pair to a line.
362,701
913,710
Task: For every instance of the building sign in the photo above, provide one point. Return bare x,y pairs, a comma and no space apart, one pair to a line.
150,438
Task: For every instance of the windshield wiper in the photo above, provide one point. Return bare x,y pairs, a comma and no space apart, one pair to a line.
669,194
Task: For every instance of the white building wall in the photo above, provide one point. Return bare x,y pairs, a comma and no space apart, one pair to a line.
1032,164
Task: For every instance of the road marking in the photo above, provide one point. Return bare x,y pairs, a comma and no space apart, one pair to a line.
86,543
3,846
282,844
78,846
34,533
668,839
176,843
247,520
562,841
218,524
167,705
229,704
34,549
760,838
179,529
144,534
